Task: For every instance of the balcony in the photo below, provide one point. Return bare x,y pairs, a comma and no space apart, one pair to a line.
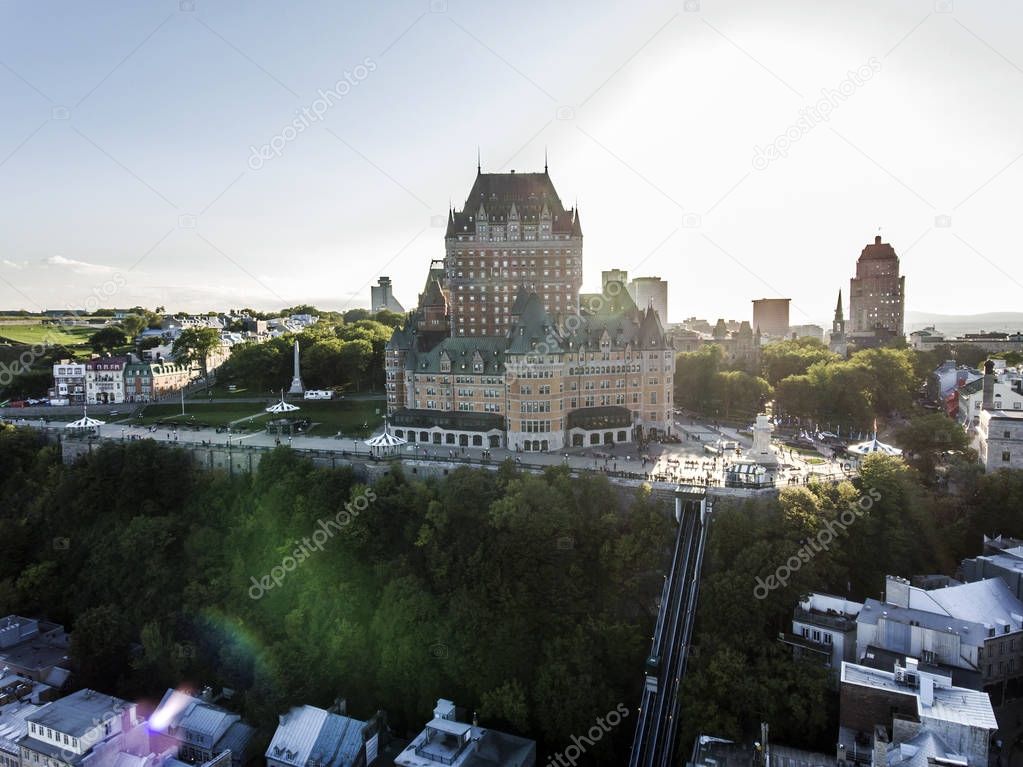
837,621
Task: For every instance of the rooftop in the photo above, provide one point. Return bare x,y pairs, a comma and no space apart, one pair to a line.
878,250
30,645
950,704
79,712
14,725
969,609
310,736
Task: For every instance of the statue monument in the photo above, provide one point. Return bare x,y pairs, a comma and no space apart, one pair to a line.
761,452
296,381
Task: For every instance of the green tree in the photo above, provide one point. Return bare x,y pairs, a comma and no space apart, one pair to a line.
932,439
792,358
194,346
107,339
100,639
740,392
133,324
695,376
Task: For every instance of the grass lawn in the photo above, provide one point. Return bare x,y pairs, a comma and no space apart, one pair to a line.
219,414
350,417
356,417
71,335
220,392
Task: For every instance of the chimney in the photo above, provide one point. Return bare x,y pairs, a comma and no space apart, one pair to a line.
880,746
877,240
896,591
989,385
127,718
927,690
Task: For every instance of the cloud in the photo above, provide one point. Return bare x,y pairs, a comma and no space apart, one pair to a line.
79,267
12,264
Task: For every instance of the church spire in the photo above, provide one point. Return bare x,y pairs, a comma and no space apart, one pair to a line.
838,307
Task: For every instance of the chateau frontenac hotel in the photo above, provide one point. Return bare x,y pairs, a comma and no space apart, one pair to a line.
503,351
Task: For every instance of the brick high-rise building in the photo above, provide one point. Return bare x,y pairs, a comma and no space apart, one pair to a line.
877,295
513,231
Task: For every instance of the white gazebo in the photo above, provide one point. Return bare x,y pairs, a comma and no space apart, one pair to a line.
84,422
385,440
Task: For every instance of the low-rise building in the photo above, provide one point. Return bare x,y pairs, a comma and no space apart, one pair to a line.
1000,439
816,332
947,378
738,342
37,650
710,751
198,730
69,382
824,627
66,732
13,727
445,740
887,718
1006,395
104,380
312,737
150,381
973,630
929,338
1002,558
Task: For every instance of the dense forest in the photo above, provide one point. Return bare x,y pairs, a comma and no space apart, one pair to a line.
529,599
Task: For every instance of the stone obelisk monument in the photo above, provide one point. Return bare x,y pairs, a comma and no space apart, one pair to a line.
762,452
296,381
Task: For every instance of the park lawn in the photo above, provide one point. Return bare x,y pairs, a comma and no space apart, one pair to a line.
351,417
216,414
219,392
357,417
72,335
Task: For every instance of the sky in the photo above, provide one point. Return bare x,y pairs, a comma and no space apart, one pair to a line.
214,154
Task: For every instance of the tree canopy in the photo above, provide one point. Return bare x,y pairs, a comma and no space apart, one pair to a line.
528,598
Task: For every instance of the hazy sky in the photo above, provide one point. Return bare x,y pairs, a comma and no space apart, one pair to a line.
127,170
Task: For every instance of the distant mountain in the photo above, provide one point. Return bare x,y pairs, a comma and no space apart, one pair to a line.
956,324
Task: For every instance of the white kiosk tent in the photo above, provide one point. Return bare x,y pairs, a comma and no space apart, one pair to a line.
873,445
386,440
282,406
84,422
